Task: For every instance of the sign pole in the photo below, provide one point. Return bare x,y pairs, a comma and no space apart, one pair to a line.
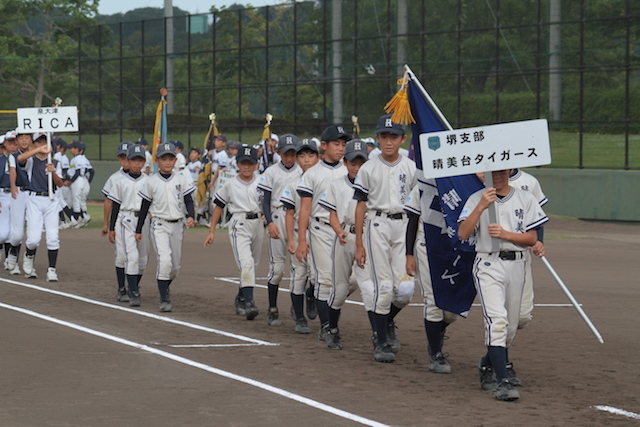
493,217
49,160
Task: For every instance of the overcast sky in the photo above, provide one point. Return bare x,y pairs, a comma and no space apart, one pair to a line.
109,7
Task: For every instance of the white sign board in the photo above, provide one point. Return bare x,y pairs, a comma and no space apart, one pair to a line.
486,148
48,119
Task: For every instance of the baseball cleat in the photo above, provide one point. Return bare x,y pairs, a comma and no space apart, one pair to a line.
506,391
322,332
52,275
392,337
134,300
272,317
165,307
11,263
333,340
383,353
122,295
27,267
239,305
6,263
250,310
438,364
487,377
15,271
513,378
302,327
312,311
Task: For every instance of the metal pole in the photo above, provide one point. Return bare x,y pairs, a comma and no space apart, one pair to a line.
49,175
573,300
168,14
555,60
401,40
336,36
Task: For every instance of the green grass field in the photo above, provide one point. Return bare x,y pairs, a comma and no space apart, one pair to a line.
599,151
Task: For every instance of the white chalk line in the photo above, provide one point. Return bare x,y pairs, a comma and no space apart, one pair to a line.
202,366
413,304
141,313
617,411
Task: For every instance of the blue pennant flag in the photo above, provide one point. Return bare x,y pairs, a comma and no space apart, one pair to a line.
442,199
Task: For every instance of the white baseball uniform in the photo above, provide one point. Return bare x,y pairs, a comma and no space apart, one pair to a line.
181,163
386,186
106,189
124,191
499,276
432,312
246,230
273,180
19,204
79,187
346,275
5,199
314,183
299,270
63,193
527,182
167,219
42,212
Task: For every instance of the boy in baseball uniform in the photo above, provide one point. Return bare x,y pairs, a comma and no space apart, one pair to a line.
382,187
123,220
436,320
307,156
314,183
42,207
342,209
272,183
168,197
80,174
246,231
5,201
499,274
123,149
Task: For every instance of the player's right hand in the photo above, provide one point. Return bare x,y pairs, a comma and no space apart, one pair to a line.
342,238
410,265
291,247
274,232
361,256
112,236
104,231
302,252
208,241
489,196
138,237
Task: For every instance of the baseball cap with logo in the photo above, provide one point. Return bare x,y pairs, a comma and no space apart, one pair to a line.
165,148
356,148
79,145
123,148
287,142
308,143
142,141
134,151
275,136
12,134
334,133
221,137
234,145
385,124
36,136
2,137
247,153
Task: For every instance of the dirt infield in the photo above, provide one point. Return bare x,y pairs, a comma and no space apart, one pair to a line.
75,357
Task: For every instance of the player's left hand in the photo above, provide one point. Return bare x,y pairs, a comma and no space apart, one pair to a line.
208,241
104,231
274,232
496,230
361,256
190,222
410,265
112,236
538,249
50,168
138,237
342,238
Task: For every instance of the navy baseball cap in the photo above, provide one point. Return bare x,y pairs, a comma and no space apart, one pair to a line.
134,151
287,142
247,153
78,144
178,144
234,145
123,148
59,142
334,133
165,148
356,148
385,124
221,137
142,141
308,143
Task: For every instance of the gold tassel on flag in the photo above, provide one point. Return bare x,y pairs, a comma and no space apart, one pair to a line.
266,133
356,127
213,130
399,104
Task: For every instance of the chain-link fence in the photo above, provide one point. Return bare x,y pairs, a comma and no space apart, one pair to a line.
311,63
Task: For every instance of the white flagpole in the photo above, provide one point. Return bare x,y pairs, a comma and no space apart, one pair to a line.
49,175
573,300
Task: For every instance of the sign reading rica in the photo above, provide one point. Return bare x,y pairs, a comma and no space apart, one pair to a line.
48,119
486,148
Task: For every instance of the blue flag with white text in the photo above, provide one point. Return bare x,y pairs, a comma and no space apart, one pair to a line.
442,199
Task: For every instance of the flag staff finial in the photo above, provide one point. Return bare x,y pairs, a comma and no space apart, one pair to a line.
399,106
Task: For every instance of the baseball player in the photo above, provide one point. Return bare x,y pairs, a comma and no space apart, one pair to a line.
125,212
246,232
80,174
314,183
195,165
148,164
123,149
306,157
19,195
338,199
181,160
272,183
63,193
166,196
5,200
42,207
436,320
499,276
382,186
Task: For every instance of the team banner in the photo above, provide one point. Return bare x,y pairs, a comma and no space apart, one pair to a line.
160,128
450,260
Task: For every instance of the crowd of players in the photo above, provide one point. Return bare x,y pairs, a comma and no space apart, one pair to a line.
356,200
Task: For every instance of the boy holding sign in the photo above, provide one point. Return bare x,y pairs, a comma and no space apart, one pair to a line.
499,274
